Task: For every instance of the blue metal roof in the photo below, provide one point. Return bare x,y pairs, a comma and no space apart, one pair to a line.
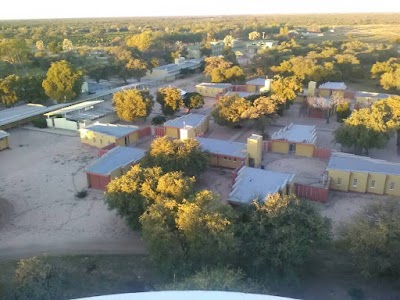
3,134
186,120
221,147
356,163
112,129
215,85
115,158
252,184
297,134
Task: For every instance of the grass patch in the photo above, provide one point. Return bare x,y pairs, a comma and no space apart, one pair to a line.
90,275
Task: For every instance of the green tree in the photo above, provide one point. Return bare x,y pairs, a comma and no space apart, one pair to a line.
262,110
99,72
137,68
170,99
177,155
373,238
55,47
231,110
14,51
285,89
31,90
388,73
189,235
222,70
193,101
343,111
390,109
36,279
9,90
63,82
131,104
272,245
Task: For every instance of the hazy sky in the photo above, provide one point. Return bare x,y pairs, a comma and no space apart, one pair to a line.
37,9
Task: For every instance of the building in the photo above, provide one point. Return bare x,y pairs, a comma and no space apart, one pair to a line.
213,89
171,71
254,47
258,85
114,163
328,88
239,93
200,123
353,173
257,184
101,135
81,115
294,139
227,154
366,99
4,144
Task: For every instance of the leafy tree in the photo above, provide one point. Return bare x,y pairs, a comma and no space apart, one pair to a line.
31,90
137,68
285,89
131,104
142,41
222,70
254,35
100,72
170,99
55,47
36,279
373,238
229,41
230,110
67,45
14,51
131,194
177,155
189,235
63,82
9,93
158,120
263,110
390,110
270,244
388,73
193,101
40,45
343,111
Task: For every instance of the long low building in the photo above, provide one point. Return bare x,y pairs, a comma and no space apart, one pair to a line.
354,173
101,135
4,143
294,139
213,89
257,184
114,163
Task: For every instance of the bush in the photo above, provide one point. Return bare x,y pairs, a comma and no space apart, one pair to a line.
158,120
81,194
39,122
343,112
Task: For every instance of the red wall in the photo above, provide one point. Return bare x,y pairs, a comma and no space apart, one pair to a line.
98,182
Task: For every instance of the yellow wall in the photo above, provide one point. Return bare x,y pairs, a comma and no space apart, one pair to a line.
305,150
392,179
172,132
209,91
96,139
225,161
251,88
254,149
4,143
203,127
379,186
362,179
279,146
339,180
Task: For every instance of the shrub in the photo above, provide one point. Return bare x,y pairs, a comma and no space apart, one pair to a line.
81,194
158,120
39,122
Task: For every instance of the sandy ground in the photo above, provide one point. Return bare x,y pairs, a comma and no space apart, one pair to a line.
39,177
218,181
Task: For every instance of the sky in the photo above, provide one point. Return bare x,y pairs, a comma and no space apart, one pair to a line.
40,9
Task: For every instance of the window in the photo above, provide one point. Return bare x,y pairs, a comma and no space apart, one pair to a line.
391,185
234,159
94,140
355,182
339,181
372,184
225,157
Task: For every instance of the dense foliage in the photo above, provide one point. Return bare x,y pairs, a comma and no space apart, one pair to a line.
132,104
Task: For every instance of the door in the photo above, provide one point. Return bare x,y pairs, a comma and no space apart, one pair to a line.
127,140
292,148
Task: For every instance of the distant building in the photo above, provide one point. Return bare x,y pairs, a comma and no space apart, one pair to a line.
171,71
100,135
259,85
254,47
213,89
294,139
328,88
239,93
114,163
200,123
4,144
257,184
366,99
353,173
81,115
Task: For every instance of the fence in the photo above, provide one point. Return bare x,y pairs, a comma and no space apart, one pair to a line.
105,149
266,146
313,193
322,153
159,131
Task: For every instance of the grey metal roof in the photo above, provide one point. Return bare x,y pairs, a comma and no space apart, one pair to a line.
252,184
73,108
296,133
171,68
356,163
221,147
333,86
240,94
3,134
186,120
372,95
112,129
115,158
215,85
257,81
